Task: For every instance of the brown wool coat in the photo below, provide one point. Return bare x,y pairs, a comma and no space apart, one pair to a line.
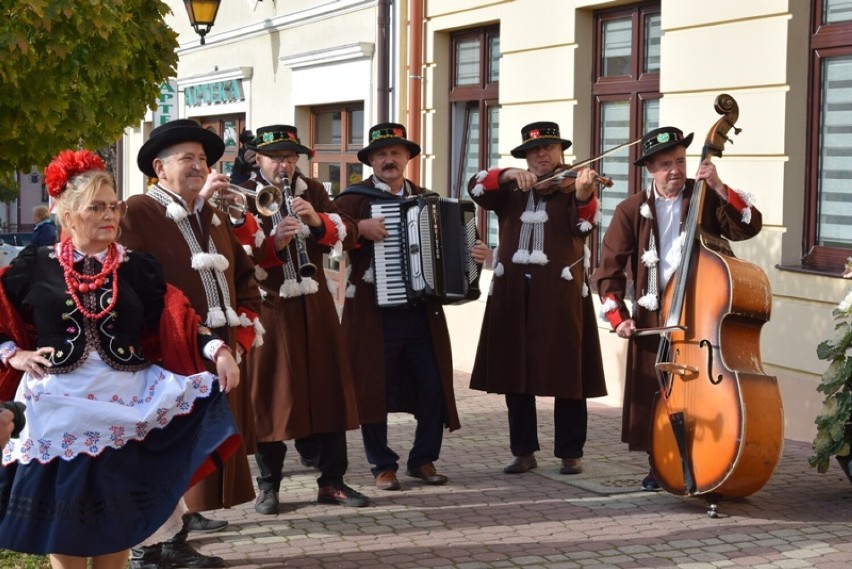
300,377
539,335
625,241
146,228
362,326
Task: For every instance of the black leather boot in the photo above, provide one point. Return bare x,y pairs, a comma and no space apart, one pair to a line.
176,552
148,557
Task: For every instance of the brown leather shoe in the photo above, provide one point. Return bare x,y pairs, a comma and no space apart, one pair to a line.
521,464
386,480
571,466
428,474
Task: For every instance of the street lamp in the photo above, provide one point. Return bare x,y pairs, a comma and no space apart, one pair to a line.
202,14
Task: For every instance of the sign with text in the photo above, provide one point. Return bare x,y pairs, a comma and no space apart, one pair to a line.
216,93
167,103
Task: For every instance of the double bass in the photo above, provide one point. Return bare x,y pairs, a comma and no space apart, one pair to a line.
717,424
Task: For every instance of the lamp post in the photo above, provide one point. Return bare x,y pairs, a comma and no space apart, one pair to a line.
202,14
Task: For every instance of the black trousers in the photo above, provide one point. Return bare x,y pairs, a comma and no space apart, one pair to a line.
408,346
570,418
333,460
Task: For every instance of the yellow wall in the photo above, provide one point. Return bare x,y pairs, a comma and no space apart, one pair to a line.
757,52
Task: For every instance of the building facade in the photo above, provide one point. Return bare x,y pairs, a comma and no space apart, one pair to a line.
466,75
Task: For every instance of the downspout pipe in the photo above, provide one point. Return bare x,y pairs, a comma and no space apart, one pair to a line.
415,83
383,61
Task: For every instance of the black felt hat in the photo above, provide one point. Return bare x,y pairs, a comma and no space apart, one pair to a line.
661,139
387,134
278,137
175,132
538,134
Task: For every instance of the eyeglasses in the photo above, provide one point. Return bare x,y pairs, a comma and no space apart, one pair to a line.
278,159
116,208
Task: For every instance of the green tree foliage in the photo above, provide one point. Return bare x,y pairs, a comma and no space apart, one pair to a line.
77,73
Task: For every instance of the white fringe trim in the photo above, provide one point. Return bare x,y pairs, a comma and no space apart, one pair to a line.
585,292
216,318
609,306
746,215
587,256
350,291
176,212
260,273
309,286
337,248
249,251
369,277
566,274
259,332
379,185
259,237
648,302
233,317
521,257
534,217
290,288
215,221
645,211
585,226
479,188
538,258
210,261
650,258
499,270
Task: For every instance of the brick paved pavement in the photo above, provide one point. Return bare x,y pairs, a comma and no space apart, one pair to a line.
483,518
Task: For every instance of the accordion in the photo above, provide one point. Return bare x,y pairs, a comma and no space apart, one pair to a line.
426,255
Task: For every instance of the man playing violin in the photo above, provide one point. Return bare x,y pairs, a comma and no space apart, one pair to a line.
644,239
539,335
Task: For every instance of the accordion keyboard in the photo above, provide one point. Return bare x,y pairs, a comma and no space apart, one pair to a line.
389,264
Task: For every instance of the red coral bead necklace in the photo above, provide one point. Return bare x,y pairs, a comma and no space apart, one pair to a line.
79,283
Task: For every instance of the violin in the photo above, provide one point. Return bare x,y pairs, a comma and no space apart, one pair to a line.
563,179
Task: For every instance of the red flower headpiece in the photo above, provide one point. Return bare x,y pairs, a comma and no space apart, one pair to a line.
67,165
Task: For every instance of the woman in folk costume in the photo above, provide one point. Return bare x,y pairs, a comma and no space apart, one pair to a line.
111,441
539,334
644,239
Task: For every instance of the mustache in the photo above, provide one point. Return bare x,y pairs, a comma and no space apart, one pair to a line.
390,166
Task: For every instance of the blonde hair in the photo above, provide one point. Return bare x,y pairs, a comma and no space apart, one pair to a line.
79,192
41,212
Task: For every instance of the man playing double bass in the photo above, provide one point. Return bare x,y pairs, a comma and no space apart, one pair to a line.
644,239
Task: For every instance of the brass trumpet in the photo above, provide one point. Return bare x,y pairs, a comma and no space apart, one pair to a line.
267,199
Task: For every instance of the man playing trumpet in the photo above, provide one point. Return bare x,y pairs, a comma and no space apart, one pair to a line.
301,383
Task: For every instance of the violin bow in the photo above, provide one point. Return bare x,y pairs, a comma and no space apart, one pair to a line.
574,167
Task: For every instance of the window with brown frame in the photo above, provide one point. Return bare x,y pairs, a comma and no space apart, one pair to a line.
475,113
827,239
229,128
626,94
337,134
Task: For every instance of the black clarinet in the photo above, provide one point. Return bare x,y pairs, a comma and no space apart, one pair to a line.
306,268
